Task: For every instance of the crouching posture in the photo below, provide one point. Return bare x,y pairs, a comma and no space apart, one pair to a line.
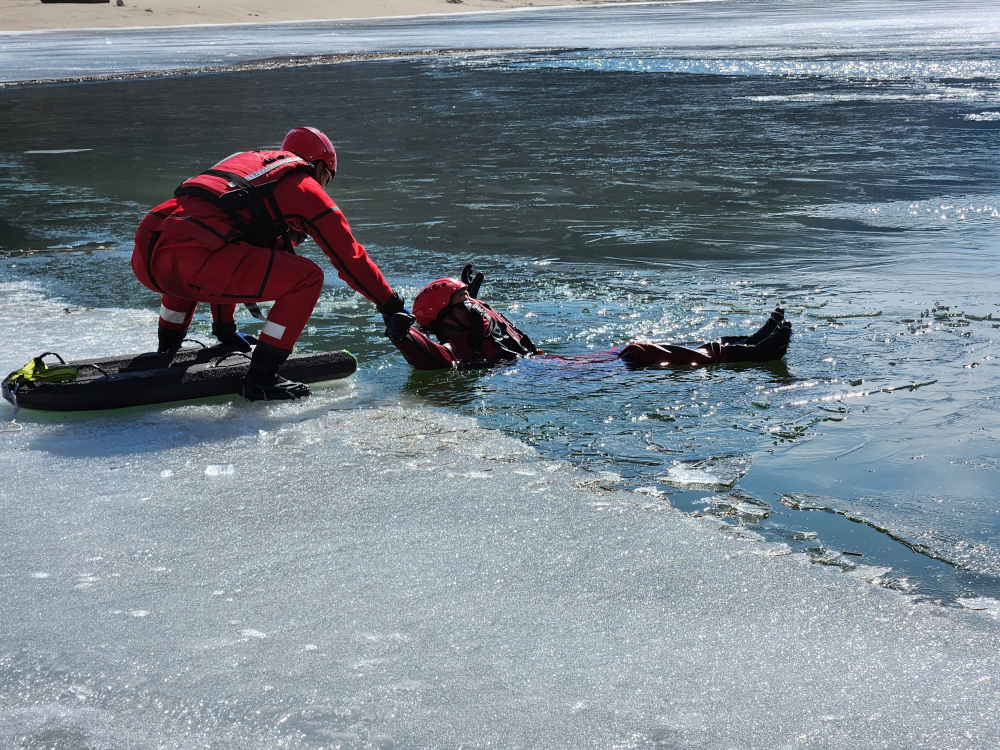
228,236
472,334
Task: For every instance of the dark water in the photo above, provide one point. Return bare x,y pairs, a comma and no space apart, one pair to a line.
611,197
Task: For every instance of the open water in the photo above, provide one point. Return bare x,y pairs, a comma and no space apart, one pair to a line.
704,164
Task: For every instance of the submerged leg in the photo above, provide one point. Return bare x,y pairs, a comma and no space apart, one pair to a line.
644,354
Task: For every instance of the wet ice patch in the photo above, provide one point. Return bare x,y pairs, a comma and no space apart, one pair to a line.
982,604
874,574
219,470
468,475
715,474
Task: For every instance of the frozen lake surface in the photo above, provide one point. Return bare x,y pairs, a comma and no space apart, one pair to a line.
316,575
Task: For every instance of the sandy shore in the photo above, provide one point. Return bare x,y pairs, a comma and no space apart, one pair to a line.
32,15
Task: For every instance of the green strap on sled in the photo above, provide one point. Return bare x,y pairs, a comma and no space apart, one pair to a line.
36,371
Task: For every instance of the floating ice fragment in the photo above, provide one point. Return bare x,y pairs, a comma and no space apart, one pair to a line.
717,473
651,491
39,575
220,470
738,505
982,604
166,474
139,613
804,501
977,117
251,633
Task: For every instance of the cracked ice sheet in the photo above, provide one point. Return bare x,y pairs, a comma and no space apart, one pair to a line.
400,577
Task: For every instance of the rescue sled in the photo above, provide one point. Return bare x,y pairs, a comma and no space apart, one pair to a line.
151,378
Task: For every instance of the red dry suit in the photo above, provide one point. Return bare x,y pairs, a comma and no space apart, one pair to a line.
498,340
491,339
228,236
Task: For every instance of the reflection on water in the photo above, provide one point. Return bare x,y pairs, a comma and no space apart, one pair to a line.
608,205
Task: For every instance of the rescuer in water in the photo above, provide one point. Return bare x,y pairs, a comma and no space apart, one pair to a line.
228,237
472,334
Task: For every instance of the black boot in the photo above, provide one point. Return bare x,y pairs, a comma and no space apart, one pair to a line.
765,330
231,339
770,348
169,339
769,326
262,381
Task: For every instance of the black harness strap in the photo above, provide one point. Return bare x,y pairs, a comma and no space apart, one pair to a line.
266,227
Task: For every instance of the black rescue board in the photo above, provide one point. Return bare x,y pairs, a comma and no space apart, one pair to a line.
142,379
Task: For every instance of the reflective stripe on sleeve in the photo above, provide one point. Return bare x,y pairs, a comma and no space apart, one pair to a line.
172,316
273,330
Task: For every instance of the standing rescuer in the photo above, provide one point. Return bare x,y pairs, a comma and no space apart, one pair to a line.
228,237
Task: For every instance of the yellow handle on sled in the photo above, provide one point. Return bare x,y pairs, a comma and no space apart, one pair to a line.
36,371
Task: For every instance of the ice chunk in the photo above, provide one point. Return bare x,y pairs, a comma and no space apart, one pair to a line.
220,470
805,501
717,474
738,505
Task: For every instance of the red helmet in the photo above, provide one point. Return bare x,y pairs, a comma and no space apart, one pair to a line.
311,145
434,298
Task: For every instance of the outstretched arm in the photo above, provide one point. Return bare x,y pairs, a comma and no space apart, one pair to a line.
418,349
305,206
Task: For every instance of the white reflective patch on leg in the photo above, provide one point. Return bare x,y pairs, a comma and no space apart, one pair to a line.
172,316
273,330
